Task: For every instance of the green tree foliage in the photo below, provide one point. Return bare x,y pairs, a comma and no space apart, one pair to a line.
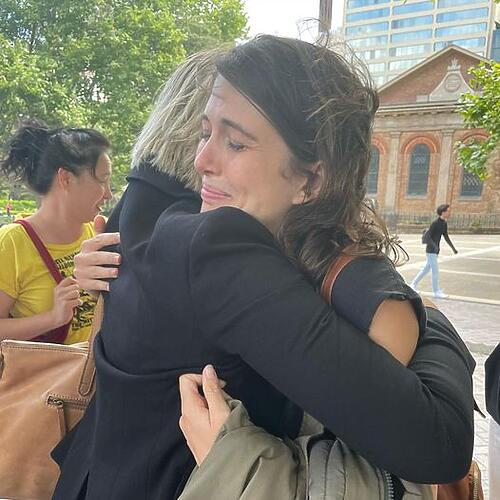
99,63
481,110
27,86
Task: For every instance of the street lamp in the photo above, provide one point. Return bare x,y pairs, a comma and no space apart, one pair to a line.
325,15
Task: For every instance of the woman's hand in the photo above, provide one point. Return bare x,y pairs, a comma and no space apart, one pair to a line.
89,263
66,298
202,417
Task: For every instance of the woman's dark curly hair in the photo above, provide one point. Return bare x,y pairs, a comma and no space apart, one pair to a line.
323,107
35,152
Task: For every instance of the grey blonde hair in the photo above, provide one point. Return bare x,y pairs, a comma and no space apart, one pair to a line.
169,138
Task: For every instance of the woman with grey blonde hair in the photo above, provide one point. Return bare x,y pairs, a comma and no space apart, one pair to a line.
171,134
232,283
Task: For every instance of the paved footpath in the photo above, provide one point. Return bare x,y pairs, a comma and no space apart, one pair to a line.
473,275
478,325
472,278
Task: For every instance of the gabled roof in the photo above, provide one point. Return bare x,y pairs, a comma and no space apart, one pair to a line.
428,60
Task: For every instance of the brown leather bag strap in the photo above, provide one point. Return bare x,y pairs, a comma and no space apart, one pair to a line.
331,275
88,374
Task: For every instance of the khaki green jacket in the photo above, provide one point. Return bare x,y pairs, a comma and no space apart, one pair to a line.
247,463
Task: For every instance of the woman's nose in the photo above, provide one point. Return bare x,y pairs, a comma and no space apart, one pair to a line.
108,195
205,161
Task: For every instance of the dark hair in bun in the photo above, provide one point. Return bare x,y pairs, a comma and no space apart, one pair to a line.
34,153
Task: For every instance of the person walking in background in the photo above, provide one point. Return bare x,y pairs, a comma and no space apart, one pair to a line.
8,209
69,168
432,239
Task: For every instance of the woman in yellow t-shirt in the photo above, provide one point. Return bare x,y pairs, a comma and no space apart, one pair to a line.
70,170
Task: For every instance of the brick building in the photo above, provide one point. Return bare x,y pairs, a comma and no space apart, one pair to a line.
414,167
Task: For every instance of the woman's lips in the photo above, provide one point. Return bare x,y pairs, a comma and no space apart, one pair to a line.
209,194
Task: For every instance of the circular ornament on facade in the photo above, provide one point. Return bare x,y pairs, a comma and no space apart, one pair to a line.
452,83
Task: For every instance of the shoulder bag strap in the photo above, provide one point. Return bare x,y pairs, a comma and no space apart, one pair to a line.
57,335
331,275
42,250
88,374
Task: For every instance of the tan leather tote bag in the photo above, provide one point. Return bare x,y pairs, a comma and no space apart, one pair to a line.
44,390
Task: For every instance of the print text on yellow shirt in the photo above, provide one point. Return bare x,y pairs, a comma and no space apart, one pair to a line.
24,276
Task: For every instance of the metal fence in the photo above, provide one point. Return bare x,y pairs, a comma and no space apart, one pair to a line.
460,221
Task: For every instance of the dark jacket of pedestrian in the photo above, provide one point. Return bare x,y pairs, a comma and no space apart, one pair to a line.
438,229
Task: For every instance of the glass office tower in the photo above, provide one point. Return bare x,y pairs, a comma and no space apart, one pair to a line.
393,35
495,43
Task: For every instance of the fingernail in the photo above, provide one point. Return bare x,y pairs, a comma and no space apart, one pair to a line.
115,272
107,287
210,372
118,259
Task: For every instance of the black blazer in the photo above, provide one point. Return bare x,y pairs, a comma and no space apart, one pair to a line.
215,288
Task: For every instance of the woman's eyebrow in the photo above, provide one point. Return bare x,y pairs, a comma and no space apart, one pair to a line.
239,128
230,123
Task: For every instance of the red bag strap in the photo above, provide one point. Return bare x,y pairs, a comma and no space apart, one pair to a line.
58,335
42,250
331,275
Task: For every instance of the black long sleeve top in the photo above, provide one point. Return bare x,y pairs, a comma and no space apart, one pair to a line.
215,288
437,229
492,384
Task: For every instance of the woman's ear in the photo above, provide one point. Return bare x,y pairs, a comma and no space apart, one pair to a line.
63,178
314,181
309,184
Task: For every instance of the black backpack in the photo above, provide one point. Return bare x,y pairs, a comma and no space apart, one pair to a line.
426,236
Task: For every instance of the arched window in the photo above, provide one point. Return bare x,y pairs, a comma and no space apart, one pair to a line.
472,185
420,158
372,177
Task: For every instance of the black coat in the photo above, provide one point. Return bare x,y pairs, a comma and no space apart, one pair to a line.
215,288
492,384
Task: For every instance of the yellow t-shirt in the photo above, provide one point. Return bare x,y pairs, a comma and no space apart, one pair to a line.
25,277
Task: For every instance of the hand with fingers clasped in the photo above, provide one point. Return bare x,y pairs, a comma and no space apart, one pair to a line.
90,264
202,416
66,298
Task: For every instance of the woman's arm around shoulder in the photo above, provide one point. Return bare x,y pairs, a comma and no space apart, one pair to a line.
372,295
395,328
250,300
